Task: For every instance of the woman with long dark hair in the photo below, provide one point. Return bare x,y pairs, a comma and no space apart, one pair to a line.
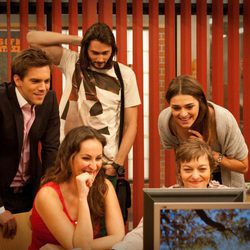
75,196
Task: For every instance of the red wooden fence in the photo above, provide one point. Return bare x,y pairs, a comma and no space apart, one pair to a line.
102,11
233,79
24,26
40,22
8,26
154,145
57,27
246,75
73,21
217,52
89,14
201,29
170,72
138,148
186,37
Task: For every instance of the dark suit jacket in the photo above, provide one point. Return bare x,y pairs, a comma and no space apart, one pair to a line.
45,129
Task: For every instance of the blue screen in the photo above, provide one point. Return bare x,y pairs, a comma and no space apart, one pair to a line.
205,229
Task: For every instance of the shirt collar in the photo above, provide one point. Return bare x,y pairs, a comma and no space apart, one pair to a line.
22,102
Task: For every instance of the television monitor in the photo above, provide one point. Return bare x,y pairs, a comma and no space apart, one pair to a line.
194,225
181,195
195,194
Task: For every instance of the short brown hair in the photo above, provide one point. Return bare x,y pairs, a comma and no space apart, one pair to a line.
29,58
192,149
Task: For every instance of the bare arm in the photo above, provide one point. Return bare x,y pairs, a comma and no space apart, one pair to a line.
129,133
8,224
51,42
49,246
113,221
240,166
68,235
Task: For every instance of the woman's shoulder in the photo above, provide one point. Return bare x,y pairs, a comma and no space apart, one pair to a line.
219,111
225,120
165,114
109,184
163,119
47,190
47,195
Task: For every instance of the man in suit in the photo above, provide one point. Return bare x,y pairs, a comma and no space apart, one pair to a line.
29,115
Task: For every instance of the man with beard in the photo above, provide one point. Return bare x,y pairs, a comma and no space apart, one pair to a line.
93,93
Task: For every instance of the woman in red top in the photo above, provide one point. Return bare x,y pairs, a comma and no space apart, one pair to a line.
75,195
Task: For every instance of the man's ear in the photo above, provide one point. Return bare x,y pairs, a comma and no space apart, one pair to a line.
17,80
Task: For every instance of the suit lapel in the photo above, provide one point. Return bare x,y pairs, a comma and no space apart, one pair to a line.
17,115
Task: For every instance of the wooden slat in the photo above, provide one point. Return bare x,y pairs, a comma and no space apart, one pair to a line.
9,40
170,72
121,41
246,76
201,32
138,148
89,14
105,10
121,30
57,27
186,37
217,52
233,88
73,21
40,15
170,42
24,26
154,140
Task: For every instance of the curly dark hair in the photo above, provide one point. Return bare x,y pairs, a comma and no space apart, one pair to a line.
193,149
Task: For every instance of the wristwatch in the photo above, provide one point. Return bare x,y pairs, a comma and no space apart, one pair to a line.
220,158
120,170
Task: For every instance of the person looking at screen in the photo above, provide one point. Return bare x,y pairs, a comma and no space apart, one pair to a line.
29,134
74,196
191,115
195,164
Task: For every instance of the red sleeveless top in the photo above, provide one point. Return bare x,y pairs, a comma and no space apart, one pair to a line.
40,232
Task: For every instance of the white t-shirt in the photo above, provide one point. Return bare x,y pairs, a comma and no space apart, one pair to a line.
104,114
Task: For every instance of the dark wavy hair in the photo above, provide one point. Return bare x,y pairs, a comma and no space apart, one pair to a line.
62,169
193,149
29,58
102,33
187,85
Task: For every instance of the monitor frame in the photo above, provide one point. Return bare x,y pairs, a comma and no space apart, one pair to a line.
181,195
